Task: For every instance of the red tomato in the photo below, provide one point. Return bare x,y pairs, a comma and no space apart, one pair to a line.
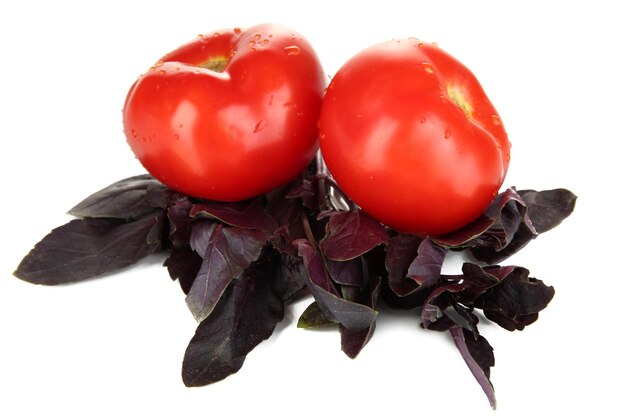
230,115
408,134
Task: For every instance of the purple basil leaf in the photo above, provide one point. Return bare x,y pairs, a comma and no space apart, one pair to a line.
400,253
283,243
348,272
305,191
478,355
183,264
495,228
159,196
490,254
352,315
315,269
477,280
467,235
350,234
291,278
226,253
518,323
313,317
461,237
354,340
511,231
287,208
547,209
180,221
245,315
125,199
426,267
516,301
435,311
86,248
510,219
247,215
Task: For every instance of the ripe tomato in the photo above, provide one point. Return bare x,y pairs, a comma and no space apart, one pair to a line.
408,133
230,115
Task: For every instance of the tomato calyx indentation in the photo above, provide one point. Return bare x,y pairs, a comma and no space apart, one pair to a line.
455,93
215,63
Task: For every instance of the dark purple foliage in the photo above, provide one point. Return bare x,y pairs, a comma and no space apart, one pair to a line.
226,253
350,234
240,264
86,248
244,316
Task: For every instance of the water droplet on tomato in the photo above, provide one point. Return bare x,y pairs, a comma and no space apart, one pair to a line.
266,41
237,31
161,72
176,136
292,50
257,36
420,45
216,34
259,126
507,157
133,132
252,43
200,36
427,67
447,134
180,126
158,63
496,120
423,119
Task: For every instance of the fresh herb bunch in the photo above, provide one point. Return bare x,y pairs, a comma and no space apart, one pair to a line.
241,264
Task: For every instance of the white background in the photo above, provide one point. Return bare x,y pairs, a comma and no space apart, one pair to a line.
114,346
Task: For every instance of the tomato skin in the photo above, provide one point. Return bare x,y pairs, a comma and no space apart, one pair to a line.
230,115
409,135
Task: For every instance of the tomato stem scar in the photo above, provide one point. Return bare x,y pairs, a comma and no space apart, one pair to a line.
459,99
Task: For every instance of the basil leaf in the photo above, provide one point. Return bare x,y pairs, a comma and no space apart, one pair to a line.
226,253
245,315
547,209
478,355
351,315
247,215
350,234
183,265
126,199
86,248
